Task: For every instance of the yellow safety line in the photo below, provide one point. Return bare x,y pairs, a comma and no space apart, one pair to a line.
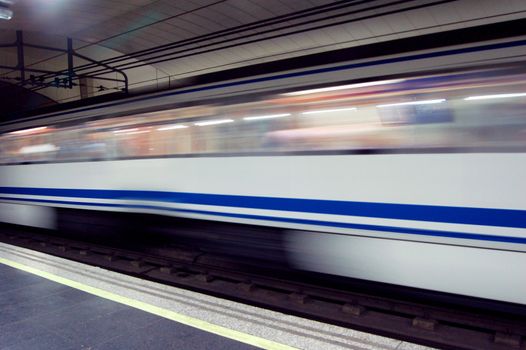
174,316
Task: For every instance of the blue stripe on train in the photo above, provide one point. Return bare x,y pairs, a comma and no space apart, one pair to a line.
447,214
389,229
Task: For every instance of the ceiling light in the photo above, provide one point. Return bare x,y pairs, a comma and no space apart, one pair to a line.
173,127
323,111
46,147
213,122
270,116
425,102
137,132
343,87
29,131
5,13
125,130
486,97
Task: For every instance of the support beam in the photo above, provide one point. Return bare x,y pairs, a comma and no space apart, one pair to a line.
70,63
20,55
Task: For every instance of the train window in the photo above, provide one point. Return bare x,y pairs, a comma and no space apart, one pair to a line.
472,109
7,150
29,145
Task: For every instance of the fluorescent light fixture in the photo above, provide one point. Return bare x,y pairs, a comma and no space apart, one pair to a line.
425,102
46,147
270,116
28,131
487,97
125,130
173,127
137,132
343,87
213,122
5,13
323,111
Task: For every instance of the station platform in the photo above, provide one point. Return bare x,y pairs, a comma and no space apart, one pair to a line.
36,313
48,302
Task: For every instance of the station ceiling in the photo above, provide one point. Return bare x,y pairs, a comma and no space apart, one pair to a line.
200,36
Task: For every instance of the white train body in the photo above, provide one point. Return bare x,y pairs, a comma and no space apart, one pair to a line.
446,221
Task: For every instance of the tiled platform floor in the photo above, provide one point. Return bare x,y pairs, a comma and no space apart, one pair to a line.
36,313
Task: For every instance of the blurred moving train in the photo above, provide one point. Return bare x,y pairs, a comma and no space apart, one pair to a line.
407,169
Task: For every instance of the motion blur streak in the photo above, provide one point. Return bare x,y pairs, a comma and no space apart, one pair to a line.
485,97
394,180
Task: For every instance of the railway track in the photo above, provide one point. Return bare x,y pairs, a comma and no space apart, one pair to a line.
306,295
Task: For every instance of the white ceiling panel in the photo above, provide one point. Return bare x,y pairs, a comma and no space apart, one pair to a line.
114,27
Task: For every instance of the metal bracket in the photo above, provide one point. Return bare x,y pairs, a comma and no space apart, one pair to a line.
58,79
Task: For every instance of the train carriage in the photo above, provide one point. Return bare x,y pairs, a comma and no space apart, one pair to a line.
394,170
